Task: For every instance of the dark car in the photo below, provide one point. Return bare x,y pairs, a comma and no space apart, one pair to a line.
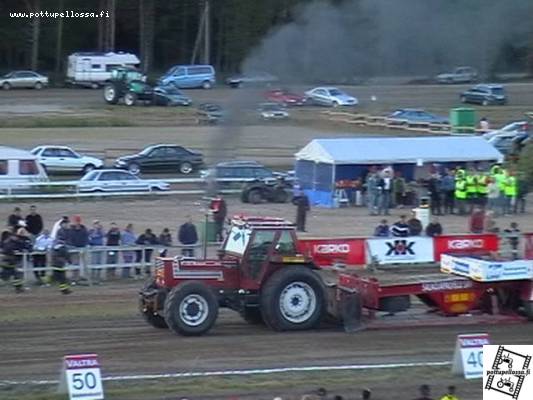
211,113
170,95
251,79
161,157
485,95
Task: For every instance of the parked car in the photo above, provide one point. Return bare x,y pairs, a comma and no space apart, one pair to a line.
113,180
413,115
18,167
239,170
64,159
23,79
211,113
516,127
170,95
507,143
275,190
190,76
269,111
285,97
330,96
458,75
160,157
251,79
485,94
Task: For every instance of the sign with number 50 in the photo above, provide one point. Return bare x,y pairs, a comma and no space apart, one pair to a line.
81,377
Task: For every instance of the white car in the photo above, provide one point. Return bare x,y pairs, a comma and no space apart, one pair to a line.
331,96
516,128
116,180
64,159
269,111
23,79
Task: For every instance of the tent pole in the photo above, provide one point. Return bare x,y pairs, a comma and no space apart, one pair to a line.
333,178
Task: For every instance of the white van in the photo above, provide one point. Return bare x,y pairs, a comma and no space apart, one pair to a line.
19,167
94,69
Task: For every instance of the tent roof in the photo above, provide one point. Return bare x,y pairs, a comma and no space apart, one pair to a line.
399,150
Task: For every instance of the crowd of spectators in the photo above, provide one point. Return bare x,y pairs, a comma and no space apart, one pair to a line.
75,235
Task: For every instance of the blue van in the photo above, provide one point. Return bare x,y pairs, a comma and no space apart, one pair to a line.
190,76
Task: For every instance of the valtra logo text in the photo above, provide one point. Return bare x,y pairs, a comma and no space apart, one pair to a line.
341,248
463,244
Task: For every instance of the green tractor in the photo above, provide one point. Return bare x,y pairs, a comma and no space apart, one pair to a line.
128,84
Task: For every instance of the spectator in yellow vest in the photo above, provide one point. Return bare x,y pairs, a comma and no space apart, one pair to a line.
482,188
510,191
460,195
471,188
450,394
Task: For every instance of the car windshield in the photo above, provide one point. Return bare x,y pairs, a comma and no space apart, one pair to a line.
335,92
146,151
91,176
271,107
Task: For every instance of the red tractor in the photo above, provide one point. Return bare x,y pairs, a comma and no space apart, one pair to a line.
260,273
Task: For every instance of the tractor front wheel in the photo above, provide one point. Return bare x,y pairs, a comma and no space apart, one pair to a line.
293,299
191,309
146,306
130,99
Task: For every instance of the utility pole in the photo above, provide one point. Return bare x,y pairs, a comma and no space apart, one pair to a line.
207,33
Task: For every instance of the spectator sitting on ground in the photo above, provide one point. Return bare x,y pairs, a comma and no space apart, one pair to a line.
425,393
434,228
165,238
415,226
382,230
365,394
450,394
400,228
477,220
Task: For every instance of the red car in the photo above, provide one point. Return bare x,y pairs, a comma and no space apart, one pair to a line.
285,97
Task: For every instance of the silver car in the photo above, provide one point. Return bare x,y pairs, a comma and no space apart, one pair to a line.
64,159
116,180
23,79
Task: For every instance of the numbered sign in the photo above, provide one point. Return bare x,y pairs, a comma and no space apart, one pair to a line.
81,377
468,356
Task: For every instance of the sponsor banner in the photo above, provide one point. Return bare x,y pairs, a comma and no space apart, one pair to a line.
487,270
414,249
325,252
465,244
528,246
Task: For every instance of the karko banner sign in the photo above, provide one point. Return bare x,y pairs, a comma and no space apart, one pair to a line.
400,250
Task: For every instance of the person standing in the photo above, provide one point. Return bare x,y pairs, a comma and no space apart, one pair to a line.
372,192
511,191
128,238
43,244
434,188
471,189
399,188
34,222
188,236
112,240
400,228
448,191
302,207
450,394
482,182
78,238
385,190
146,239
477,220
493,194
95,237
434,228
14,219
165,238
13,244
484,125
219,210
60,259
460,194
522,186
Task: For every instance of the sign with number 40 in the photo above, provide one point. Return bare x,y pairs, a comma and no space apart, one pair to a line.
81,377
468,356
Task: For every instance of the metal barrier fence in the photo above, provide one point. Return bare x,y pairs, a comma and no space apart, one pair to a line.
88,263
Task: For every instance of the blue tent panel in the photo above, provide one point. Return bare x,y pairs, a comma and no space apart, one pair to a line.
320,198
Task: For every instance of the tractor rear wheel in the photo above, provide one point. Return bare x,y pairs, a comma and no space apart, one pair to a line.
294,298
252,315
111,95
191,309
151,316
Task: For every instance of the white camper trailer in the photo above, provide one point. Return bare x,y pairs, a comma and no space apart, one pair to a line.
18,167
94,69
